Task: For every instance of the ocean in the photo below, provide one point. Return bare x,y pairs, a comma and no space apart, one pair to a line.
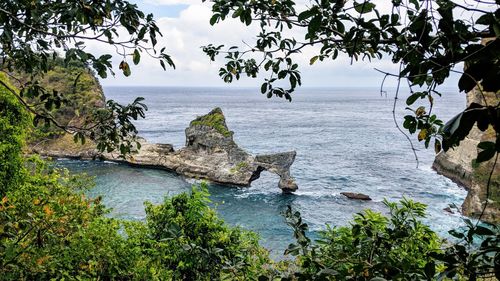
345,140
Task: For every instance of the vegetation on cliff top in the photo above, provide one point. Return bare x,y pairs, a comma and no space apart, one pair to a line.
33,33
214,119
79,89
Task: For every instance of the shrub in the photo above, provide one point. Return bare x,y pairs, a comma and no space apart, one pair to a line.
373,246
197,245
13,124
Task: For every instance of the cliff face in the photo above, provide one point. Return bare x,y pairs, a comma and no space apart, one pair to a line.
458,165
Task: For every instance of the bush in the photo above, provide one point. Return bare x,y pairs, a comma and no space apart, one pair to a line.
197,245
13,124
373,246
51,230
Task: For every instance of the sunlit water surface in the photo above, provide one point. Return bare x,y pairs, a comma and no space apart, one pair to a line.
345,141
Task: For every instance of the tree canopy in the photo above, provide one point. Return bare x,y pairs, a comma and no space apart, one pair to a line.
426,39
35,33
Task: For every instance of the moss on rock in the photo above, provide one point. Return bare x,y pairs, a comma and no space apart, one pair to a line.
214,119
239,167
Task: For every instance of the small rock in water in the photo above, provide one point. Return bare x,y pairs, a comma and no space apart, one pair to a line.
357,196
448,210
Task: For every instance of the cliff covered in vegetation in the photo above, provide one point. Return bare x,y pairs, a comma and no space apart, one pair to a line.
81,94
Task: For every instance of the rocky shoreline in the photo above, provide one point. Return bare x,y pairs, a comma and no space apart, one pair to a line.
210,154
458,165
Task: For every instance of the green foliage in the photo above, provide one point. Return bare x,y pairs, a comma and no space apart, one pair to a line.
459,126
79,108
14,122
373,246
239,167
32,31
114,126
476,255
72,94
215,119
426,38
195,244
31,35
45,221
49,229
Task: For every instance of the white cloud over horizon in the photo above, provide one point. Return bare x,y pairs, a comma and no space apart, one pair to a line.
190,29
172,2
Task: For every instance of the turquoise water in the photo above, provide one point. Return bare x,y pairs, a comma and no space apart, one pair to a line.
345,141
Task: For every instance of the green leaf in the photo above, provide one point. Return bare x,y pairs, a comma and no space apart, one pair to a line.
314,24
306,14
263,88
430,270
488,151
248,17
481,230
125,68
364,7
486,145
466,83
411,99
136,57
486,19
214,19
313,60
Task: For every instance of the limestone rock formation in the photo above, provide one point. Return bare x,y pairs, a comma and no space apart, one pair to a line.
457,164
210,153
279,164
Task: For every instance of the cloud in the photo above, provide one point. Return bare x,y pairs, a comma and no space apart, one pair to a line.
172,2
186,33
183,37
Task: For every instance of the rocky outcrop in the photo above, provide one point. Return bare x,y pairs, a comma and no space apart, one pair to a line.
210,153
357,196
279,164
458,165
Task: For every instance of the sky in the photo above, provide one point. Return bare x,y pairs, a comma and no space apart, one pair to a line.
185,26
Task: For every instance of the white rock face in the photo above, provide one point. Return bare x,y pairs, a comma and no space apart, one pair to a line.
456,164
